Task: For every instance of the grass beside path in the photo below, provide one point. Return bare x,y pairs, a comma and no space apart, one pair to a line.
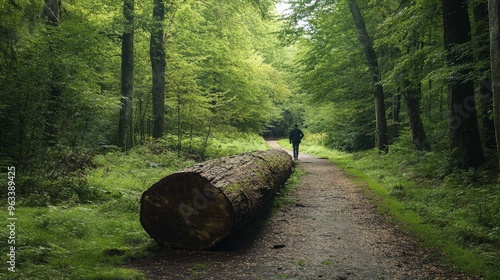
452,213
88,227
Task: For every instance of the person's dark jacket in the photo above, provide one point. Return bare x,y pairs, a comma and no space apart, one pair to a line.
296,135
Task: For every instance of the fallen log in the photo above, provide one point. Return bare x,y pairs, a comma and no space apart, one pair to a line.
199,206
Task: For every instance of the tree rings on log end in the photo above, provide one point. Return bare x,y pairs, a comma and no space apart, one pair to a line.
184,210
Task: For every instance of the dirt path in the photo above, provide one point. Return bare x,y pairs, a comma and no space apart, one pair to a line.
331,232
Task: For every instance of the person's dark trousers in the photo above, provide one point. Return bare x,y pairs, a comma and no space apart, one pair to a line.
295,150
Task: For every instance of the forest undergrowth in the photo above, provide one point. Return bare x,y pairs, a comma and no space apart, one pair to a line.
457,212
88,227
84,224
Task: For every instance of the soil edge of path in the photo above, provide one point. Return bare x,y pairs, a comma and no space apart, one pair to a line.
330,231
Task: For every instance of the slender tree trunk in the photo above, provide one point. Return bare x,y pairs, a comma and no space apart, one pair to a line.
494,15
430,102
394,127
141,124
52,112
412,97
179,124
51,12
157,55
381,138
464,133
125,129
396,108
206,137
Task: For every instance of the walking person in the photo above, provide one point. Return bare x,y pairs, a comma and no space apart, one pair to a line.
295,138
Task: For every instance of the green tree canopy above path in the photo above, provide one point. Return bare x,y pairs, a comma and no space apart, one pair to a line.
420,56
220,73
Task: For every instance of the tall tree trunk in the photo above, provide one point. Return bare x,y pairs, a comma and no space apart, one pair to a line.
125,128
494,15
412,97
464,134
485,100
381,138
157,54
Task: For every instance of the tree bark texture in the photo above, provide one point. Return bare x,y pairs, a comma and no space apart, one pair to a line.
494,15
381,135
394,127
51,11
412,98
485,98
465,141
198,207
158,64
125,126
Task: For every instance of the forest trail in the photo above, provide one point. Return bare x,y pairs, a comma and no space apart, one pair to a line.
331,231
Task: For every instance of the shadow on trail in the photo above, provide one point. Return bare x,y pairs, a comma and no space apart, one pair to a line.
245,238
169,263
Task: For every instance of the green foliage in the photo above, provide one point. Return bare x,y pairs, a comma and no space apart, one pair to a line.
63,82
228,79
225,141
334,85
67,239
75,243
224,144
221,74
79,194
43,58
62,178
141,166
410,37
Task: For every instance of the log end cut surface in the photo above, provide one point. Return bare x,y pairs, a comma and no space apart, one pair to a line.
184,210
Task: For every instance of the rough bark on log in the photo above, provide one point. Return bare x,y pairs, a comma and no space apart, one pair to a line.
199,206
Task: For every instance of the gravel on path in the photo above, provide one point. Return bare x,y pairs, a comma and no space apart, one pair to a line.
330,231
